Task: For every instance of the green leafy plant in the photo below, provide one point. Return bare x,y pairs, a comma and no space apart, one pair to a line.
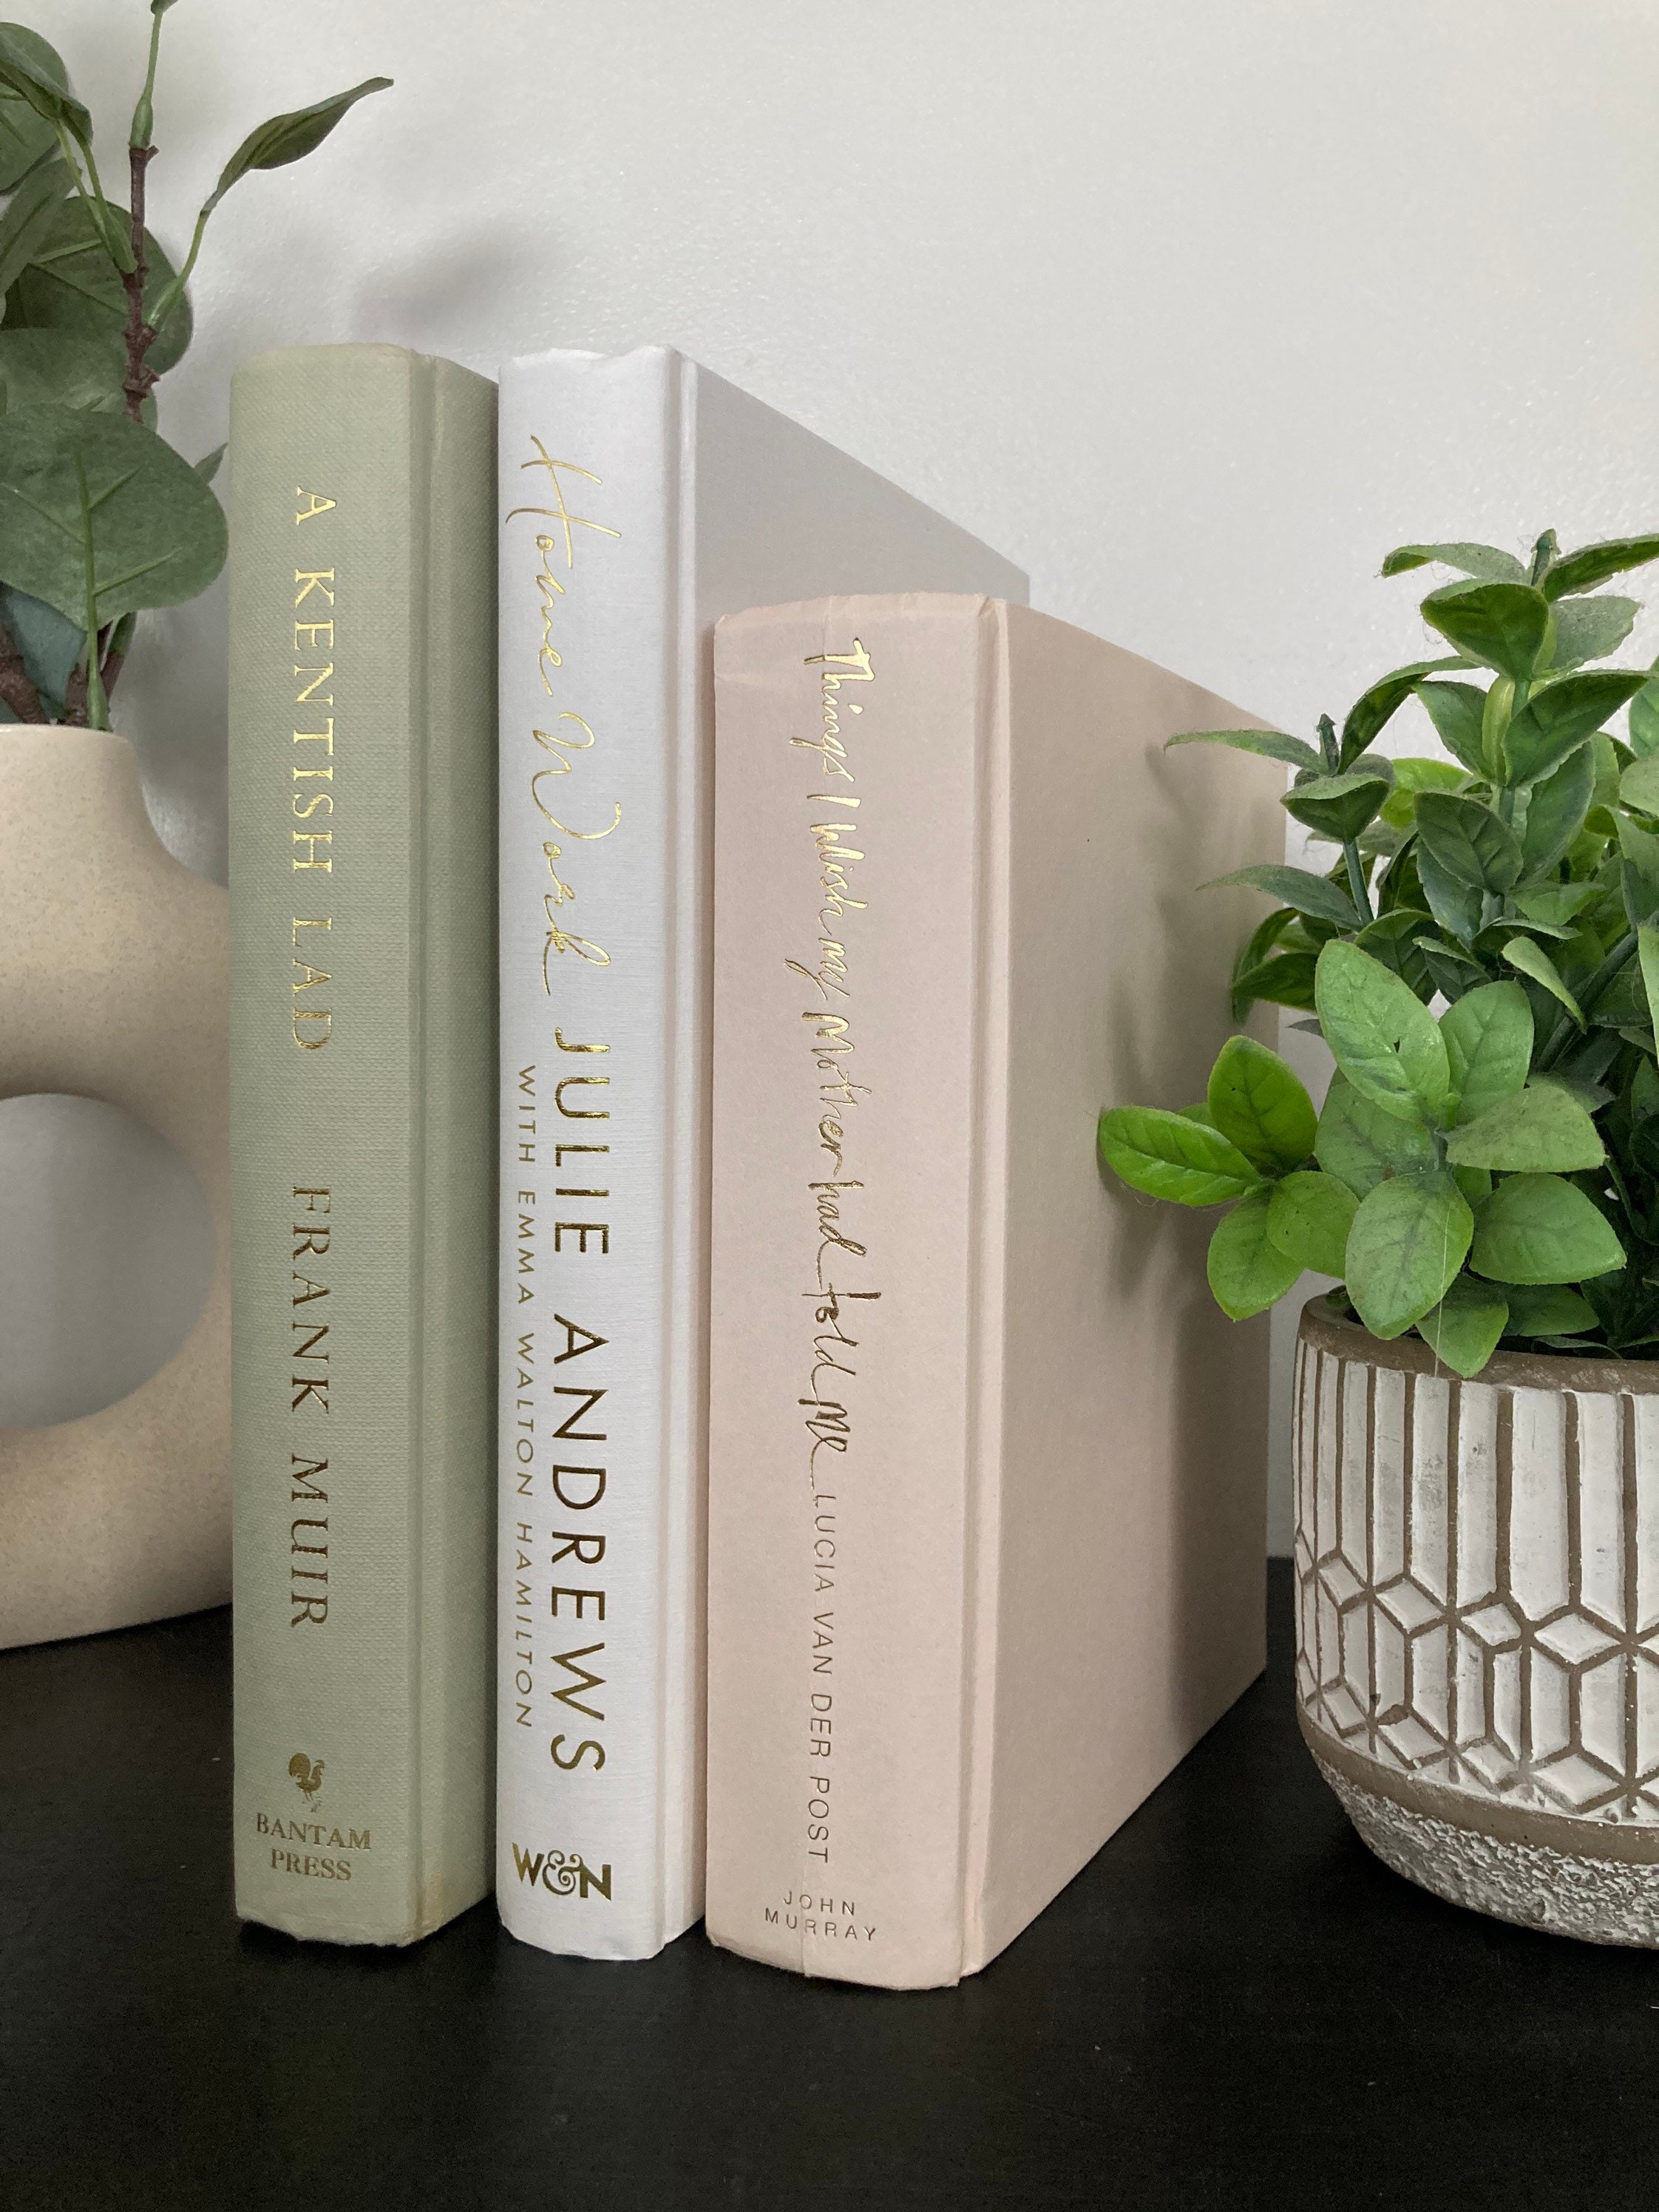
99,518
1487,1172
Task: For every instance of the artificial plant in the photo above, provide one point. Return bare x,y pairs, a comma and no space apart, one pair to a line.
1489,1172
99,518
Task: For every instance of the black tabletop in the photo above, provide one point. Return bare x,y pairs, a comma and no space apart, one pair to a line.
1233,2006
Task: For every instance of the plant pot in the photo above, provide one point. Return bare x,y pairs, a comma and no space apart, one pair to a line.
114,985
1477,1573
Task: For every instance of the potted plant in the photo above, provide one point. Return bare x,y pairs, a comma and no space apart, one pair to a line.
115,983
1477,1406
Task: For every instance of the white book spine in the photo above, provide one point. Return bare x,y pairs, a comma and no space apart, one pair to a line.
598,1809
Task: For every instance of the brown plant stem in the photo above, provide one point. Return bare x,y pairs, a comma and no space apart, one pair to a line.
138,336
19,694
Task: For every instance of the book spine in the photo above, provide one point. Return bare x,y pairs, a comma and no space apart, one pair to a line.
598,1197
361,773
851,856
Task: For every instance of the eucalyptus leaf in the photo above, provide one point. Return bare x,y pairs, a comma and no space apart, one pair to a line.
1170,1156
1247,1273
1296,887
1381,1035
1258,1102
1541,1228
48,644
1308,1216
1647,955
1475,1184
1468,841
1540,1130
25,133
1412,775
208,467
71,285
1488,1037
1553,721
31,72
30,215
1465,1327
1589,629
1644,720
1593,564
1272,744
1638,851
289,137
61,368
1455,710
1486,562
1406,1247
1361,1146
1286,981
1392,939
1638,787
157,533
1451,975
1504,626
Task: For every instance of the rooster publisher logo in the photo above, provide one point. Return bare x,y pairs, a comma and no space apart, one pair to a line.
308,1775
566,1874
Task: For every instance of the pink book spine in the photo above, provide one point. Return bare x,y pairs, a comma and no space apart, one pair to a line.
856,861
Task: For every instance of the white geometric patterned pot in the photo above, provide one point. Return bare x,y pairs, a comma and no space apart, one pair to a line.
1477,1570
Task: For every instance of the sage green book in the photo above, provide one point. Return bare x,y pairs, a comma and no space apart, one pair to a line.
362,1071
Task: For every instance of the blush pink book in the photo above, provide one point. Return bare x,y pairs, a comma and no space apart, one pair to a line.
986,1467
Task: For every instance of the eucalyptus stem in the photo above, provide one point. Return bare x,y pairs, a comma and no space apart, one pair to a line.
97,697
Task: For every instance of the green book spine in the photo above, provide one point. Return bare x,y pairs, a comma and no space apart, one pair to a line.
362,1058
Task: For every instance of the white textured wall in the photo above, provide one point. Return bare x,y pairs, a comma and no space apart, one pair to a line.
1192,307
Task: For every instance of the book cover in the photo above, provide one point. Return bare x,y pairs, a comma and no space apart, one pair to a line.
986,1510
362,788
642,496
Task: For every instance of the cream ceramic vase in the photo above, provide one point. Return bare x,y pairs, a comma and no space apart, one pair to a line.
1477,1570
114,985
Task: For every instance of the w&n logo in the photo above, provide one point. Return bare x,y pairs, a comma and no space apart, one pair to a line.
566,1874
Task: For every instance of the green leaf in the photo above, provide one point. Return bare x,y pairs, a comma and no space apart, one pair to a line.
1374,708
1407,1245
1287,981
1556,904
158,533
1337,806
1503,626
1272,744
1468,842
71,285
1638,851
1465,1327
1622,1001
1593,564
1638,786
1487,561
30,215
1530,959
59,368
1475,1184
31,71
1361,1146
1247,1273
25,134
289,137
1455,710
1308,1220
1555,814
1198,1114
1170,1156
208,467
1647,953
1257,1102
1548,1309
1411,776
1539,1229
1382,1037
1454,905
1488,1036
1392,939
1644,720
49,644
1296,887
1540,1130
1589,629
1554,721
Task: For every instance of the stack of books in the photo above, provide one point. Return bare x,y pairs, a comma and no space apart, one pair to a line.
707,1441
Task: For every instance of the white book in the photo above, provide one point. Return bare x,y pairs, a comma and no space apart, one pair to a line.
642,498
